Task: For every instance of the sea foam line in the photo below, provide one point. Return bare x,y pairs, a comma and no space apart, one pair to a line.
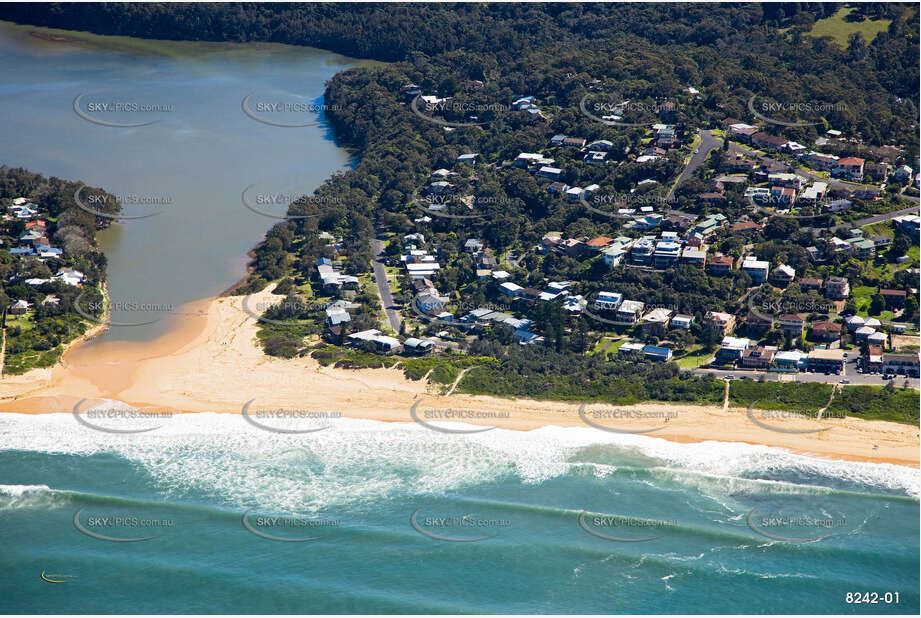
364,460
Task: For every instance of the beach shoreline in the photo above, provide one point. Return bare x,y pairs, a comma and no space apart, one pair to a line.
210,362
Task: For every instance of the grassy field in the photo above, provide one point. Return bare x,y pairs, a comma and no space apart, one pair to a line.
838,29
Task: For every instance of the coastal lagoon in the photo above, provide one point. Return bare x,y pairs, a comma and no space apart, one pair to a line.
206,513
182,170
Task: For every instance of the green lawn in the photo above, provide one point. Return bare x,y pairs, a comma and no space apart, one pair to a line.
862,296
838,29
691,359
608,345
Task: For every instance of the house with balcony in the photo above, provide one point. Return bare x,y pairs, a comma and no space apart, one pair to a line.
722,323
837,288
608,301
848,168
901,364
792,325
825,331
783,275
720,264
822,361
757,357
757,269
629,311
694,256
656,321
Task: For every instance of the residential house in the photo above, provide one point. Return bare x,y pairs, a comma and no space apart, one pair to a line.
656,322
783,275
744,227
849,168
902,174
642,250
792,325
614,253
757,324
694,256
757,358
876,172
666,254
574,142
722,323
837,288
419,347
382,343
757,269
825,331
792,360
682,321
895,299
657,353
19,307
629,311
825,361
731,350
767,141
608,301
809,283
549,172
721,264
901,364
874,359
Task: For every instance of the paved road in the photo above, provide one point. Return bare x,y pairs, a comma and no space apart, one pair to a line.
877,218
383,284
850,374
707,143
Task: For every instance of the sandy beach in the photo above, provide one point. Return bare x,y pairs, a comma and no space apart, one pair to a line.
210,363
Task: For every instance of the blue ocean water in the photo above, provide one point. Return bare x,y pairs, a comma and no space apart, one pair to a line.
549,521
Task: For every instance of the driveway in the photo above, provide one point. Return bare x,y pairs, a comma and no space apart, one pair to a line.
707,143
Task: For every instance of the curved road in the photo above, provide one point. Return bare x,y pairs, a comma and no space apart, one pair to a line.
707,144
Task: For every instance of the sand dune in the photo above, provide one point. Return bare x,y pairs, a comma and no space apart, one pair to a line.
211,362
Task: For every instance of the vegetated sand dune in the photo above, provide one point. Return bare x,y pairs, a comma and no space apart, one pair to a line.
210,362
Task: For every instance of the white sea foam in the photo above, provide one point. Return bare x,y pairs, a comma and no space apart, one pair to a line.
358,462
28,496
